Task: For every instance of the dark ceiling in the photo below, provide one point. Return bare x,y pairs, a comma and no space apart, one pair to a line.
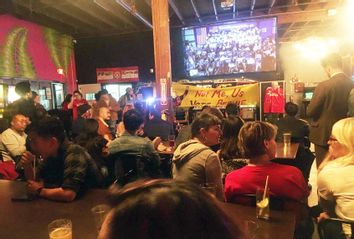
297,19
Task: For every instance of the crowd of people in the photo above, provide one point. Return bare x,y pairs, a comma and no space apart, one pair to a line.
230,50
64,155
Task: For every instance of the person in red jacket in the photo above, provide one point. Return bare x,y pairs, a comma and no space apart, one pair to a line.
76,101
257,143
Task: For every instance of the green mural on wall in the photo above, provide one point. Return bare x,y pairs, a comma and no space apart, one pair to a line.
14,57
60,48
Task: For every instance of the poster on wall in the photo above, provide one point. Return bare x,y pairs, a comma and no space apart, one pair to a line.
33,52
117,74
193,96
272,96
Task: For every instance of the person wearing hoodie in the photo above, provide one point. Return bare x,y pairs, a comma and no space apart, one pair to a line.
194,161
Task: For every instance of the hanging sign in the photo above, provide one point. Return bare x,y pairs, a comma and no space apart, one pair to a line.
117,74
193,96
163,88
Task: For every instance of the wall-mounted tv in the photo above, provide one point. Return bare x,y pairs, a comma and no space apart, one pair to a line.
230,48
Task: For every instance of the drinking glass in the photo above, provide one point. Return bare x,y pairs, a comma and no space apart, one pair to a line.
99,213
262,204
60,229
171,141
287,139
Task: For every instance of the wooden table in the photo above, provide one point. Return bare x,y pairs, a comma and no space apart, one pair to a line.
280,225
287,151
29,220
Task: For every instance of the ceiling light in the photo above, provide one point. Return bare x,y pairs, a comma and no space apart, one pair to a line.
226,4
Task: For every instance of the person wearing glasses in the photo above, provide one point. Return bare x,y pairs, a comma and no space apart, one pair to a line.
335,178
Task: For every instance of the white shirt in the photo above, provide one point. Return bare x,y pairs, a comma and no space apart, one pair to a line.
12,144
336,183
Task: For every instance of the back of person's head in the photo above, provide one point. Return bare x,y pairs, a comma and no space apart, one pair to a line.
291,109
204,121
333,60
90,127
342,131
252,136
22,88
232,109
205,107
100,93
49,127
132,120
159,209
156,113
127,107
231,127
213,111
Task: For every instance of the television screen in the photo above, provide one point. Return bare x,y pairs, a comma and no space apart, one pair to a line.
230,48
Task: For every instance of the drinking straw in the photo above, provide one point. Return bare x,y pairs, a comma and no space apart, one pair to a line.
265,188
34,169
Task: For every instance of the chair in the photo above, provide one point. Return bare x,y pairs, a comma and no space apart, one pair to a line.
332,228
129,167
304,225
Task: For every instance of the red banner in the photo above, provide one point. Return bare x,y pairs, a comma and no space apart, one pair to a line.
117,74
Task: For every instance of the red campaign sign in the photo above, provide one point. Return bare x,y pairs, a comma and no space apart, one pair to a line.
117,74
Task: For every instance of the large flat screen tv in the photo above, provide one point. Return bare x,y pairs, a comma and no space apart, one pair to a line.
230,48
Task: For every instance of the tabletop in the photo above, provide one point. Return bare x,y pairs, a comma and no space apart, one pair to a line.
280,225
29,220
287,151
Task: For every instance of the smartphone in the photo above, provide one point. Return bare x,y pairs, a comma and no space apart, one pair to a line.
22,198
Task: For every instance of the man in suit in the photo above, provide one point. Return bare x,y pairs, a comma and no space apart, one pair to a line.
329,104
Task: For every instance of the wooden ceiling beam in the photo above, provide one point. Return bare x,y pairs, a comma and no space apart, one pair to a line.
93,10
196,11
81,16
176,10
114,9
56,16
46,21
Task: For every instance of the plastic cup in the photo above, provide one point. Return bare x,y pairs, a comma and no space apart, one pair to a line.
100,212
60,229
171,141
262,204
287,138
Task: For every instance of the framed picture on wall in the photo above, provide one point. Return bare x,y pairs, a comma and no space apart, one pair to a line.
272,96
48,93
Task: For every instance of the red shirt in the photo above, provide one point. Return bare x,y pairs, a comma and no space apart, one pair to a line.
76,104
274,100
284,181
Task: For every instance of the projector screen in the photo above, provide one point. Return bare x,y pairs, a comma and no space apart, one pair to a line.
230,48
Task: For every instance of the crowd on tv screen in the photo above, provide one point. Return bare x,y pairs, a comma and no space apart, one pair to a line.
230,50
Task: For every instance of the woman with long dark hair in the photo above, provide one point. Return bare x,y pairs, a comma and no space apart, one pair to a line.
229,154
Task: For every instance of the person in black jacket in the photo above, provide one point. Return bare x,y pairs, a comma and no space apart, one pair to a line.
156,127
24,106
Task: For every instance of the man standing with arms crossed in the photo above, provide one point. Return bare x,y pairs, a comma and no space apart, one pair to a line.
329,104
